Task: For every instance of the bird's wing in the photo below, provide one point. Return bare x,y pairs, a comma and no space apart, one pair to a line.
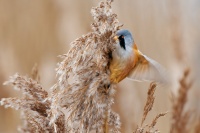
146,69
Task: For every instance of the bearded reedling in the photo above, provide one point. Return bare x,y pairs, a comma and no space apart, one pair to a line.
128,61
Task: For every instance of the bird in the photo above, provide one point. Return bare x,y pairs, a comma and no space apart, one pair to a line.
128,61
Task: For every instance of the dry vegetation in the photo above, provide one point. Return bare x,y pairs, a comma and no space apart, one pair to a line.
82,98
149,128
84,104
181,122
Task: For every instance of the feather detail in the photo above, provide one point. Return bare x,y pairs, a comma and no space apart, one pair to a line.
120,70
120,67
146,69
137,67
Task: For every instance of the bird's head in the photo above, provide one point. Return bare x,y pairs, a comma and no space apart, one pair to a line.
124,39
124,44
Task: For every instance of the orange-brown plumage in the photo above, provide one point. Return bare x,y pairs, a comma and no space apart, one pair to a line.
120,69
129,62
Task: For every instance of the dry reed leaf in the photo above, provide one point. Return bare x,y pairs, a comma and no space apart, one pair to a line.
180,118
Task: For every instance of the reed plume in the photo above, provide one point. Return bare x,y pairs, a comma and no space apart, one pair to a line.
149,128
197,126
180,117
84,103
89,96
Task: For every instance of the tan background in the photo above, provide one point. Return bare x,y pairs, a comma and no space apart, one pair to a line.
37,31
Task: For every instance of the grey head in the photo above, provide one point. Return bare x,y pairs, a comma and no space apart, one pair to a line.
125,38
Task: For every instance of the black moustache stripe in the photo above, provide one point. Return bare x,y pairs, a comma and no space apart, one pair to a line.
122,42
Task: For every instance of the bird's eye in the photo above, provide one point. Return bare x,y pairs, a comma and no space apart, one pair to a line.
122,42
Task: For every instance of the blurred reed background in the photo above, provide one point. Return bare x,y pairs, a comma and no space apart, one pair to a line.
38,31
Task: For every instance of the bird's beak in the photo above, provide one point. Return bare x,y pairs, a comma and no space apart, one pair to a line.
116,38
